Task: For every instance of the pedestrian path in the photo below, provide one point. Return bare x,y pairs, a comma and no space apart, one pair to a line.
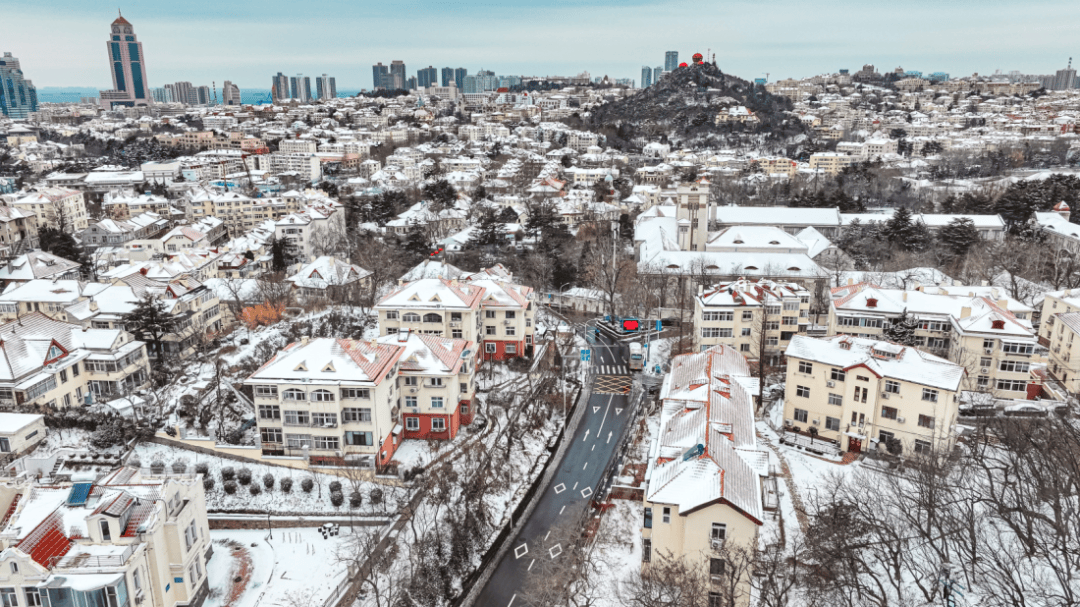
612,370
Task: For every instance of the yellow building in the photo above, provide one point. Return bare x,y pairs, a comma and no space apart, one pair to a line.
1065,350
850,393
703,492
757,318
831,163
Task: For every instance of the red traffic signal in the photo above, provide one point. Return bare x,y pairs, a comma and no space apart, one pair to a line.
630,324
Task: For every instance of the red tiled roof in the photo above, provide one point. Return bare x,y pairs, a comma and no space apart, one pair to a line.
47,541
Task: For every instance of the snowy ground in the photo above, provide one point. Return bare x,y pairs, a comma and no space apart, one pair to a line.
617,549
297,567
275,501
67,438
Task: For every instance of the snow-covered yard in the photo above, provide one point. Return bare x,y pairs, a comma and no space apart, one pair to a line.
617,548
297,567
276,501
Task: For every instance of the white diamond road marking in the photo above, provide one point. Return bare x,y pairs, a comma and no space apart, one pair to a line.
586,492
555,550
521,551
560,488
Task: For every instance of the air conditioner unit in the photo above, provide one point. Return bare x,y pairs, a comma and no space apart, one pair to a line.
817,422
900,420
412,390
984,370
884,395
716,544
988,350
508,322
830,384
394,411
455,324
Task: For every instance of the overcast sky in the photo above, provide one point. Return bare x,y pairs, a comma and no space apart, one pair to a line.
62,42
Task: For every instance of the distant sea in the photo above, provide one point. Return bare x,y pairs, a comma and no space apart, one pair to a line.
72,94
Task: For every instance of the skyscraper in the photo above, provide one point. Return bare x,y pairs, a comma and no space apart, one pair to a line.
397,70
426,77
202,95
183,92
459,77
300,87
646,77
325,87
671,61
656,73
471,84
377,72
18,97
447,75
128,66
280,88
1064,79
230,94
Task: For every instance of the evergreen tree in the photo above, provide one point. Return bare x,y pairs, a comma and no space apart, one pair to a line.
151,323
417,242
507,215
60,243
441,195
902,330
541,218
488,232
279,257
959,235
385,207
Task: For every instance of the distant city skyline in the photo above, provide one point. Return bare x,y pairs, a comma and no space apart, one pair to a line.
225,42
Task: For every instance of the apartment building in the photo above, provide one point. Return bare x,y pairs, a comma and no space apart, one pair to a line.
126,539
123,206
508,318
434,306
56,364
776,165
703,484
306,233
436,378
1053,304
1064,363
36,265
758,318
832,163
18,231
328,277
56,207
856,393
116,232
979,328
20,433
332,400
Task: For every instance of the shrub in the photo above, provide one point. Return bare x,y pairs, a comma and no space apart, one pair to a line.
208,483
268,481
157,466
202,468
355,500
254,489
375,496
335,486
135,462
286,484
107,435
244,476
179,466
229,487
337,499
412,473
228,473
307,485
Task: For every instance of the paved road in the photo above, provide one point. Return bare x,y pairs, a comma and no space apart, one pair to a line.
570,490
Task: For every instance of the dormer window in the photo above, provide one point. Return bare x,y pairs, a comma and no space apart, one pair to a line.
774,242
997,324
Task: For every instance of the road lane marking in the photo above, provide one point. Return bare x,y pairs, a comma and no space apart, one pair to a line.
586,492
595,409
574,487
603,419
586,437
585,466
593,448
548,533
560,488
511,600
618,410
560,511
608,437
555,550
531,563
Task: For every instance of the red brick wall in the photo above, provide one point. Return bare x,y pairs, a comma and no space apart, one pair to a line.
386,453
500,349
453,423
466,418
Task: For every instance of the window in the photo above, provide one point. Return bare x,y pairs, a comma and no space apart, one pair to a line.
837,375
432,317
744,347
392,315
648,518
322,396
667,514
355,414
511,314
297,418
800,415
892,387
412,381
63,376
14,567
832,423
719,531
436,402
489,313
511,348
455,316
772,325
75,370
326,442
8,597
1014,366
489,348
885,437
1015,348
363,393
646,550
410,317
456,333
326,420
716,566
718,316
862,378
190,535
922,447
929,395
511,330
294,394
489,330
266,391
298,441
802,391
438,424
1011,385
888,412
412,423
410,401
106,535
33,596
836,399
982,381
359,439
748,315
271,435
269,412
926,421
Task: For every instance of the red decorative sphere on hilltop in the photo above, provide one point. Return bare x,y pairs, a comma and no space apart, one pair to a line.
698,58
682,64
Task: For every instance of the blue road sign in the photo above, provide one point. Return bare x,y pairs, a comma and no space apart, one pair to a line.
659,326
586,354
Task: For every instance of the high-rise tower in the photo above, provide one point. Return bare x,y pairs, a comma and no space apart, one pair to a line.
128,66
18,97
671,61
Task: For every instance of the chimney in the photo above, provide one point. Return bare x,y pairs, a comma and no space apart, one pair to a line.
1062,209
850,281
1003,304
304,341
93,305
965,311
701,289
905,295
